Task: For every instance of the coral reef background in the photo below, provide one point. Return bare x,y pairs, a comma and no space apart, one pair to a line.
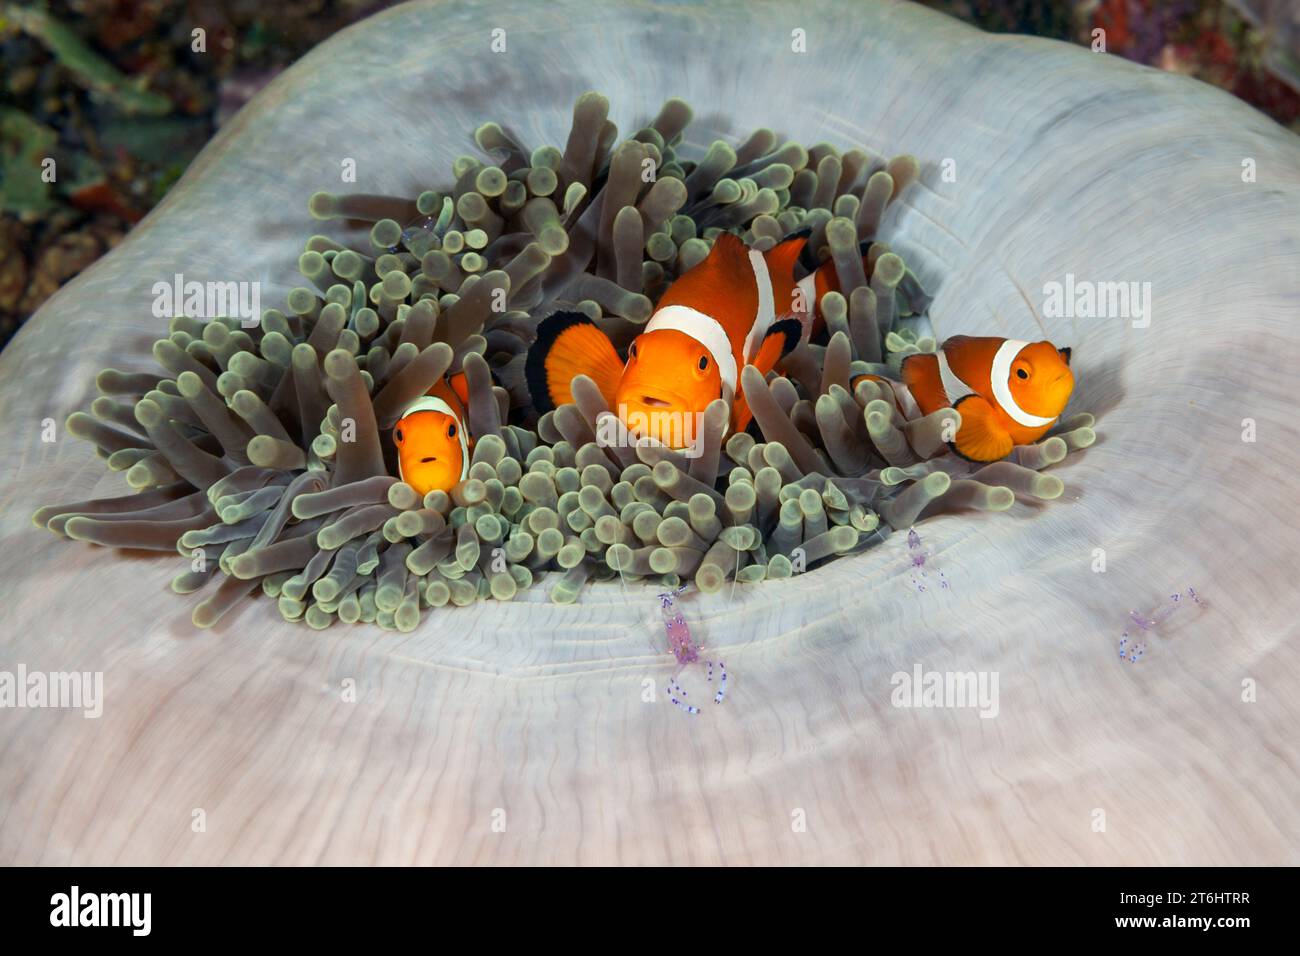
116,92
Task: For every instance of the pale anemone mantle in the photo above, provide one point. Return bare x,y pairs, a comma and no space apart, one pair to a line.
1065,162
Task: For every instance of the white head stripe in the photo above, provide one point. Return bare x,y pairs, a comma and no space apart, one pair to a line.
431,403
953,387
708,332
1000,374
766,313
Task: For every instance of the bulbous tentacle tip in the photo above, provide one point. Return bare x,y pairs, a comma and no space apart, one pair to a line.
267,450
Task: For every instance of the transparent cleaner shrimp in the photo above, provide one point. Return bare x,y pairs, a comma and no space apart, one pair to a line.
1132,650
919,555
687,652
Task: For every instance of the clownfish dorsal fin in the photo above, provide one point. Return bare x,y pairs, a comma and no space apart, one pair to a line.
784,256
460,385
804,258
720,283
570,344
729,247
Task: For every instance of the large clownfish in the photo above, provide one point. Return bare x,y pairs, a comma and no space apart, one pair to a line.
433,445
1008,392
736,307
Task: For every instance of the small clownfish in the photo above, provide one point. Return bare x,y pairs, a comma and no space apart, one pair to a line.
1008,392
433,445
717,317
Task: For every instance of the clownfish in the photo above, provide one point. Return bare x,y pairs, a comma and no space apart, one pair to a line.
728,311
1008,392
433,445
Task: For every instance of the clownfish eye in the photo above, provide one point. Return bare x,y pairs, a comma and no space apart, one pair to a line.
704,362
1021,373
397,436
451,430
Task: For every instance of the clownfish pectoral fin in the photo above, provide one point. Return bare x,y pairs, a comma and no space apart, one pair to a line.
980,437
570,344
955,343
780,341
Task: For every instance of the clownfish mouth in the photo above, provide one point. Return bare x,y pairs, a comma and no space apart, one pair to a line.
651,402
425,461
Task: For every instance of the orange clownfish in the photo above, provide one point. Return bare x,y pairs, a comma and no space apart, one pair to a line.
727,311
433,445
1008,392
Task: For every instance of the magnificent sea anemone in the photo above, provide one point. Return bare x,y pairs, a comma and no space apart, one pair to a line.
1039,163
266,444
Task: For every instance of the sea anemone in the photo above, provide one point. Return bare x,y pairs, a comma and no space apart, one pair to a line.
522,731
269,443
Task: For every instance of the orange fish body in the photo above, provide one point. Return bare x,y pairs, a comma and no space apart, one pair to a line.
737,307
433,444
1008,392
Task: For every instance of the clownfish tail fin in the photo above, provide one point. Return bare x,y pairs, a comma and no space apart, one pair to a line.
570,344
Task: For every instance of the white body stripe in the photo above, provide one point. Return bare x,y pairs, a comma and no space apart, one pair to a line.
953,387
708,332
766,313
431,403
1000,375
